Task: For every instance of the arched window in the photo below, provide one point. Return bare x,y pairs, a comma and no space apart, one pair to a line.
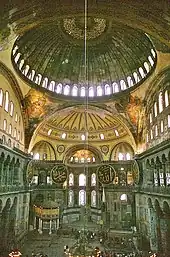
91,92
18,136
150,117
153,53
130,81
32,74
93,179
93,198
9,142
82,92
71,198
166,98
122,85
52,86
1,97
58,89
17,57
36,156
116,132
15,132
146,66
142,73
82,180
75,91
10,129
160,102
168,120
151,60
21,64
14,50
136,77
107,89
162,126
45,83
25,71
123,197
99,91
16,117
155,109
11,108
120,156
71,179
128,156
156,130
38,79
6,101
82,197
151,134
147,138
66,90
5,124
115,87
83,137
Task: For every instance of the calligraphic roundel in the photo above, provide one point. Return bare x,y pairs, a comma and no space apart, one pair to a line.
106,174
59,173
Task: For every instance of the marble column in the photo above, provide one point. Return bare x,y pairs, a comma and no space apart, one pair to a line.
40,226
153,231
165,233
50,231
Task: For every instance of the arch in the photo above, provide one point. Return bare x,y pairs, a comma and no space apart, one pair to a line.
91,92
71,150
108,90
45,82
42,147
58,88
82,92
66,90
51,86
166,208
123,148
75,91
150,205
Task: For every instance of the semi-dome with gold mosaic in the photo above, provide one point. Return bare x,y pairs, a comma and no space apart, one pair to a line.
59,58
78,124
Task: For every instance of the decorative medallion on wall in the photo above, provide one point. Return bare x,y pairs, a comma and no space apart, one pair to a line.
104,149
59,173
60,148
136,172
106,174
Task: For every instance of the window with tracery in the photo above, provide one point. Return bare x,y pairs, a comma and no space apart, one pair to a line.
71,199
93,179
71,179
82,197
93,198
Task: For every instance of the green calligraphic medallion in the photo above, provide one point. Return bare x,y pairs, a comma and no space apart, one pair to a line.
106,174
59,173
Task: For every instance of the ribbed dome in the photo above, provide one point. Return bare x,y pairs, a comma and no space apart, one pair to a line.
74,123
53,56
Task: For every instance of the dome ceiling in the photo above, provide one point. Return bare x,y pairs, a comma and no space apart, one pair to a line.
73,123
52,56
